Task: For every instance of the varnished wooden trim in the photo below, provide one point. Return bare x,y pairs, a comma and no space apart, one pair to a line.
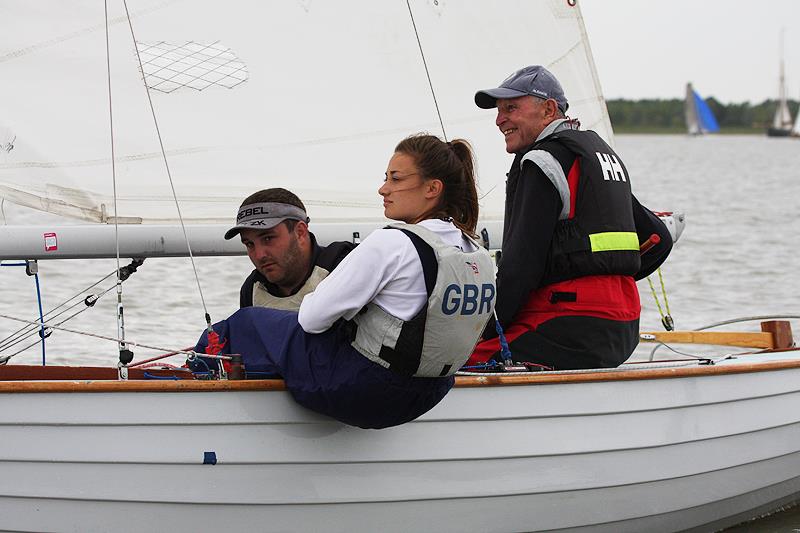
720,338
781,331
626,374
142,386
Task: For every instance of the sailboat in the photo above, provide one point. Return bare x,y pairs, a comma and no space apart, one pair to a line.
699,117
256,94
782,121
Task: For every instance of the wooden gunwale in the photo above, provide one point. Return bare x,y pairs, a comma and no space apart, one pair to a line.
489,380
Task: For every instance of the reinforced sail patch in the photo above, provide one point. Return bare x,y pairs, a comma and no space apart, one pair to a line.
168,67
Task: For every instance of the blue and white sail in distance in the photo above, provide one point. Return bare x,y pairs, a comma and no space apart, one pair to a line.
699,117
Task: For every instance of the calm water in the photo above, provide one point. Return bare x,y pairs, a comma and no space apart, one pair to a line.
737,258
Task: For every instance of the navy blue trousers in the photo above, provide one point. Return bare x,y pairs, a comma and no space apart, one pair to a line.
323,372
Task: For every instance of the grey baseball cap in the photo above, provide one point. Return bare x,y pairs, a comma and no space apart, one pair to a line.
534,80
264,215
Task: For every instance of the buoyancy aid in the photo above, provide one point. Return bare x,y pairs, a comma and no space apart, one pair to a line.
439,339
595,234
263,298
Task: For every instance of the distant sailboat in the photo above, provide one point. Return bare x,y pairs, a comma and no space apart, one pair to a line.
782,122
699,117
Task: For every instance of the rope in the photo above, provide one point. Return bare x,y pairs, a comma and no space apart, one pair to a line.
156,358
723,323
505,350
166,166
687,354
666,319
41,317
427,72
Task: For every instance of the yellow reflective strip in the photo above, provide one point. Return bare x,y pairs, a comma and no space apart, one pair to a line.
614,240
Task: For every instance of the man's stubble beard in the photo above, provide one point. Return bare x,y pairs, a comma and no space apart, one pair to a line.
294,268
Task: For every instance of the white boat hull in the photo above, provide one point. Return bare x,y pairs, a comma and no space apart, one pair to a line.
620,455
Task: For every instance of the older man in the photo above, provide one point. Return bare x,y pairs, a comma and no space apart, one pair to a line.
567,296
289,264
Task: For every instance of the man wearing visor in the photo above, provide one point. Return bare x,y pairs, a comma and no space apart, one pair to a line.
289,264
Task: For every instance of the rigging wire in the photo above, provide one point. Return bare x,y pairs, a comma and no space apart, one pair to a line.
427,72
166,165
747,319
89,301
125,355
26,331
191,353
32,330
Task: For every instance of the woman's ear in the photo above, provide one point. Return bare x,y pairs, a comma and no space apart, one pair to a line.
433,188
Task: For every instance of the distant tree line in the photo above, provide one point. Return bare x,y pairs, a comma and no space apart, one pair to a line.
668,115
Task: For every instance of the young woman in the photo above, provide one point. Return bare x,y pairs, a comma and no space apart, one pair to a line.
376,344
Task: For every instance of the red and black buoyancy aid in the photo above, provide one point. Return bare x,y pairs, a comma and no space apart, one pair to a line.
596,234
592,257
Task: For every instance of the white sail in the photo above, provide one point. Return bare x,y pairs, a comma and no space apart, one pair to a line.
690,111
782,118
311,96
782,121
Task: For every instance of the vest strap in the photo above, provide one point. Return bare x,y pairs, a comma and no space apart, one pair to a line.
563,296
412,334
552,169
430,267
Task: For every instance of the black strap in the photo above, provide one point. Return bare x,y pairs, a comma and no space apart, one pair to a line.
577,244
558,296
405,357
430,267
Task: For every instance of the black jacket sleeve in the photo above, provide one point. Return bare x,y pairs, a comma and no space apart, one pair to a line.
648,224
533,216
330,256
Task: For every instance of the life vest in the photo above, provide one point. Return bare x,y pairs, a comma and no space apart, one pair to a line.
263,298
439,339
596,233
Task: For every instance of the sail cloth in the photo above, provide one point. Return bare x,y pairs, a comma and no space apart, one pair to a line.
311,96
699,117
783,117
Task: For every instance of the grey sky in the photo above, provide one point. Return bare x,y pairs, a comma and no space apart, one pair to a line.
728,49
